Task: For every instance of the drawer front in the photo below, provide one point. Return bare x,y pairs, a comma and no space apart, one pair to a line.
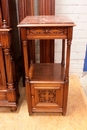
46,32
49,96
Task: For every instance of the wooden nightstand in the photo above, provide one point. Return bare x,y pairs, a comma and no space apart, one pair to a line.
47,83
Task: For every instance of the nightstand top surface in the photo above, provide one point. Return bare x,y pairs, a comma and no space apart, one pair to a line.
46,21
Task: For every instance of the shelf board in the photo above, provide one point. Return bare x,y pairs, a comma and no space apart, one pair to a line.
46,73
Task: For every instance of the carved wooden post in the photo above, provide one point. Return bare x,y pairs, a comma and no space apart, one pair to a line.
69,39
6,44
63,52
26,64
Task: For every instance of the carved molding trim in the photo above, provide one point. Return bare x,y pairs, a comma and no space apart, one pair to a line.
47,31
24,43
7,51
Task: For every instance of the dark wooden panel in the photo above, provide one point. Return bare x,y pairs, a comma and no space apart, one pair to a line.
9,13
46,7
5,11
14,34
2,71
0,16
26,7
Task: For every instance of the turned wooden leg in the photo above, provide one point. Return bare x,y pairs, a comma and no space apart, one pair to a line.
63,113
66,77
30,113
63,52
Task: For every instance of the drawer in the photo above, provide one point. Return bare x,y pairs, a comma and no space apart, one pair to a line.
46,32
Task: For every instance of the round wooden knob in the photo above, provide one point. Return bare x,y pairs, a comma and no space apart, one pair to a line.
4,25
32,96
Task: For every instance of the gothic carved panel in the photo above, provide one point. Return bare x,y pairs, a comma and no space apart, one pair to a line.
47,95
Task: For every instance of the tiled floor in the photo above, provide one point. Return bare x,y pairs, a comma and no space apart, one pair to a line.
75,119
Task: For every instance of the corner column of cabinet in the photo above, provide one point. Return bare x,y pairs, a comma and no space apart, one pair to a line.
10,88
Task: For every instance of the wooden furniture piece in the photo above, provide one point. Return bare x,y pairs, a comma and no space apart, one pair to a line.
8,85
46,7
47,83
10,56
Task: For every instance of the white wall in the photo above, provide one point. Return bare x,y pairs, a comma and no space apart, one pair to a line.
77,11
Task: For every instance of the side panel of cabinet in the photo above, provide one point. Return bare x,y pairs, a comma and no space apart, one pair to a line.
2,71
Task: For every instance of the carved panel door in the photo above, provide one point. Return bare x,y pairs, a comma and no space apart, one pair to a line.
47,7
47,98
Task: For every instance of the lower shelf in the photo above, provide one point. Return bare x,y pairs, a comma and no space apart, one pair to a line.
46,72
